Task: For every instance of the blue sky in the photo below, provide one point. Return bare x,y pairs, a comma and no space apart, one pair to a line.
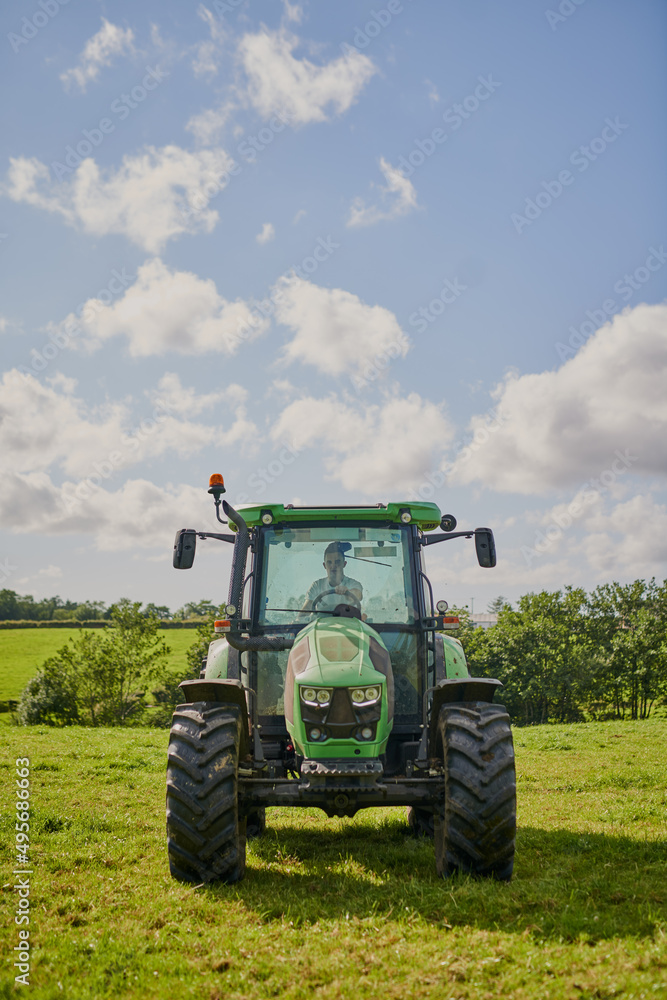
366,251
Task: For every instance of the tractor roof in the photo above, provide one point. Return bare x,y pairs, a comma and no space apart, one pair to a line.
425,515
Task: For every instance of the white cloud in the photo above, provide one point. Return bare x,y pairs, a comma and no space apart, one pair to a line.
167,310
98,51
397,198
629,540
47,427
293,12
606,539
52,572
139,514
207,126
179,400
301,214
11,326
208,54
560,428
267,234
376,450
279,82
153,197
182,400
334,330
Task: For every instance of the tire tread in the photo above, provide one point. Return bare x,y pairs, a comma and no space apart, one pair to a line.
206,838
475,825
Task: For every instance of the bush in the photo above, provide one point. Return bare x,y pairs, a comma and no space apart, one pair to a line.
101,677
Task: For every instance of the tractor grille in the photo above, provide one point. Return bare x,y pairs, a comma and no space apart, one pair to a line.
341,711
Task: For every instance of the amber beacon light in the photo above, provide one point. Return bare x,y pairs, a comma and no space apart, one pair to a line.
216,485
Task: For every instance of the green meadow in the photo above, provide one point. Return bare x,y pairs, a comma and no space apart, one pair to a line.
23,650
347,907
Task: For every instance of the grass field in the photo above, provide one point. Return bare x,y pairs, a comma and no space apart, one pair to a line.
23,650
344,908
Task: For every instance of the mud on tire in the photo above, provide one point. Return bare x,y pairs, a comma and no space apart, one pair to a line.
475,826
206,837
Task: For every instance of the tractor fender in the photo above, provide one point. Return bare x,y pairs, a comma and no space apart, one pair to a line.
223,661
455,691
227,692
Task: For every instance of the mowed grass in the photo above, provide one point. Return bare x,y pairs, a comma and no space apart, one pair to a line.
23,650
344,908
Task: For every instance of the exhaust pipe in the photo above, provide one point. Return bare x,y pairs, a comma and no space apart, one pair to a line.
254,643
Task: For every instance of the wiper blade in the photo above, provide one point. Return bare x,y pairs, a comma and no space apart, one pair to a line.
361,559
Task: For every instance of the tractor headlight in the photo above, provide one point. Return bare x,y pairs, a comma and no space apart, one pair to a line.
315,734
366,733
365,696
316,696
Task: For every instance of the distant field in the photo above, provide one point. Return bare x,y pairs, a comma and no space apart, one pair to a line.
22,652
343,908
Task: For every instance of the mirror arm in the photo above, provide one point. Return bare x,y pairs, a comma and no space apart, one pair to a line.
213,534
429,540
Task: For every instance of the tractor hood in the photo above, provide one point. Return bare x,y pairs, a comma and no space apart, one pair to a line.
336,658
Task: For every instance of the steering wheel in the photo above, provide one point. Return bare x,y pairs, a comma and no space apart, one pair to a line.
348,598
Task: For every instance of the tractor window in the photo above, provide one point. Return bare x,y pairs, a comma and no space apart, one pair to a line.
371,562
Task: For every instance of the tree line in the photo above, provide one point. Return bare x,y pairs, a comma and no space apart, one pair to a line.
17,607
567,656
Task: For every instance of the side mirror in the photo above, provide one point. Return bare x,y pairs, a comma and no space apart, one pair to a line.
185,545
486,547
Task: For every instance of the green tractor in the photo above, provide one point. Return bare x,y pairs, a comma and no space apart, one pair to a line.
333,681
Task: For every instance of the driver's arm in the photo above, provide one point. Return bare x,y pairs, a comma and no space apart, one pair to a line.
354,592
310,597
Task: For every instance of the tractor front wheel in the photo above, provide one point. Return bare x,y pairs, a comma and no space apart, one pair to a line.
206,836
475,825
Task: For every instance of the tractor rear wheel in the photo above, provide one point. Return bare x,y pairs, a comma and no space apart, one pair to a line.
206,836
475,826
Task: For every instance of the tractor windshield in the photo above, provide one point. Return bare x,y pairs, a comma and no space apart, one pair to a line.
308,571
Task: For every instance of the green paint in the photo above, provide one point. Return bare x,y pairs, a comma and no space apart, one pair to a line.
355,672
455,658
425,515
216,660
